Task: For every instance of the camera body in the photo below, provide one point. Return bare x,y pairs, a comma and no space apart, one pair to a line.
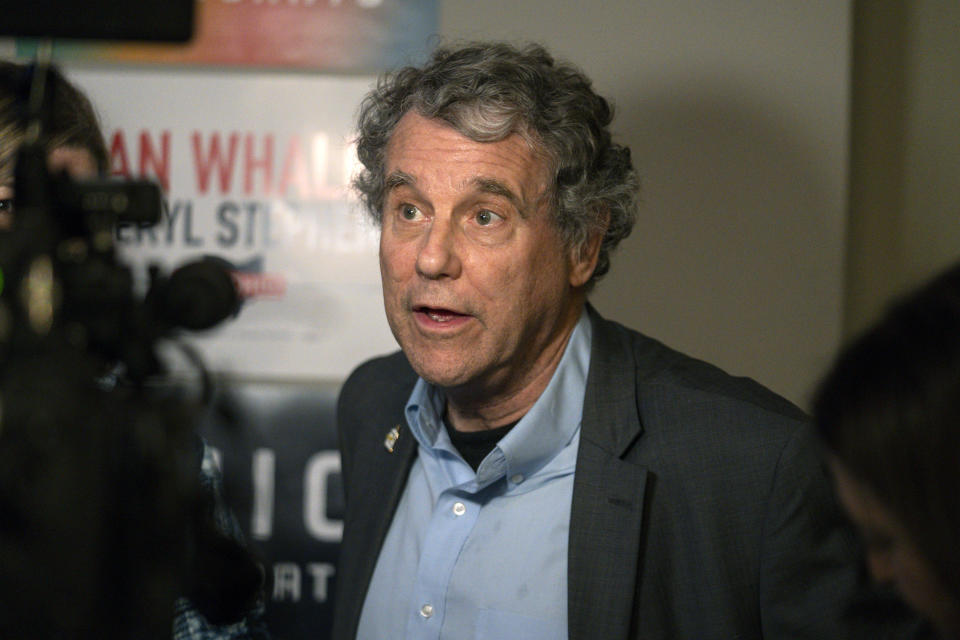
103,521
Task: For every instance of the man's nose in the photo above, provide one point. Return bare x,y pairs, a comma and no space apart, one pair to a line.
439,256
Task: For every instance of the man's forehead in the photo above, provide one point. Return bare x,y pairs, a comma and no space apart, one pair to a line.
423,149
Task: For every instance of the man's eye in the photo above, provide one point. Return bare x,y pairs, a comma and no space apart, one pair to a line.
486,217
409,212
6,204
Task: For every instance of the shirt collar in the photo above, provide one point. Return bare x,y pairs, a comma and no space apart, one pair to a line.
536,439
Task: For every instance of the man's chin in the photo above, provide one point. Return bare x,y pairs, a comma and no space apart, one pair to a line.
442,372
442,378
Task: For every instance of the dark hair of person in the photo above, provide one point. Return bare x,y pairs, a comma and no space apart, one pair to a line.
70,121
889,409
489,91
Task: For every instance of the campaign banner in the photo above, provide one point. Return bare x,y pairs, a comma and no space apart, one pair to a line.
346,36
255,169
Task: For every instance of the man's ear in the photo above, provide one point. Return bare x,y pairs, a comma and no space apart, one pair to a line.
583,259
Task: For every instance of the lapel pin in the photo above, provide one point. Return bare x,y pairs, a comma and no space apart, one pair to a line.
391,440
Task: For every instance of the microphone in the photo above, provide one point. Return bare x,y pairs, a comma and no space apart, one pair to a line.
199,295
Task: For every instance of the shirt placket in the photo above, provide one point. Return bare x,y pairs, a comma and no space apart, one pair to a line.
451,523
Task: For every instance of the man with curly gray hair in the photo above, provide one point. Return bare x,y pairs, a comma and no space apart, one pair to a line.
525,468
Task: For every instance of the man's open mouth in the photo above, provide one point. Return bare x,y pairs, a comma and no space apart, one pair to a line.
439,315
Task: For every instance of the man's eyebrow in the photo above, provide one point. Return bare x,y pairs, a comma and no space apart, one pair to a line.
498,188
398,179
491,186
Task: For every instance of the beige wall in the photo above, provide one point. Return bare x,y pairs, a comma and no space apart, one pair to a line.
736,113
905,150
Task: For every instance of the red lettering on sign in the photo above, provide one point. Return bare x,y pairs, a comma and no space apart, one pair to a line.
252,163
153,165
119,166
153,157
209,159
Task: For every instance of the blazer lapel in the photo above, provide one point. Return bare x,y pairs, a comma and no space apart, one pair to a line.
375,495
608,494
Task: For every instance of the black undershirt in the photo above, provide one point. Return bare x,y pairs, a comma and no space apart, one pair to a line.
475,445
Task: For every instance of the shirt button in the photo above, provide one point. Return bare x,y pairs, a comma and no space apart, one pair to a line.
459,509
426,610
517,478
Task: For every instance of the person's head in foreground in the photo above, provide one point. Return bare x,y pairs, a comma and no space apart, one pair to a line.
499,194
71,135
889,413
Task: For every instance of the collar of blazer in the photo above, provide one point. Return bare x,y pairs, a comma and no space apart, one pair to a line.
611,412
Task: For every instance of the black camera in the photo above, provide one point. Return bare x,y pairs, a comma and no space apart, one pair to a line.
63,278
103,523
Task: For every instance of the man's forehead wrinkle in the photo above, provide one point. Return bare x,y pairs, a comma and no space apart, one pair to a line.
483,184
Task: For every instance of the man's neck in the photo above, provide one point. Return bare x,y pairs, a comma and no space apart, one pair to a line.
490,408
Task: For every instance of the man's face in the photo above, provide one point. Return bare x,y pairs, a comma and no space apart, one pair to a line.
479,289
892,555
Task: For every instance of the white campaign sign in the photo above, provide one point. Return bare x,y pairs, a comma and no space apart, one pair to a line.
255,167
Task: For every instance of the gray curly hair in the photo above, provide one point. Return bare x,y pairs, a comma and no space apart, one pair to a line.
489,91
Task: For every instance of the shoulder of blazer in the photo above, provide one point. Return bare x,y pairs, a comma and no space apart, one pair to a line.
376,389
383,374
657,364
371,401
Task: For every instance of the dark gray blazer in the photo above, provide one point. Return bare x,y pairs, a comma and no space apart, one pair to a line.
700,506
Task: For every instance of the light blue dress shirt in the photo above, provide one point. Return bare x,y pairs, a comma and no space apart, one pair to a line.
484,555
